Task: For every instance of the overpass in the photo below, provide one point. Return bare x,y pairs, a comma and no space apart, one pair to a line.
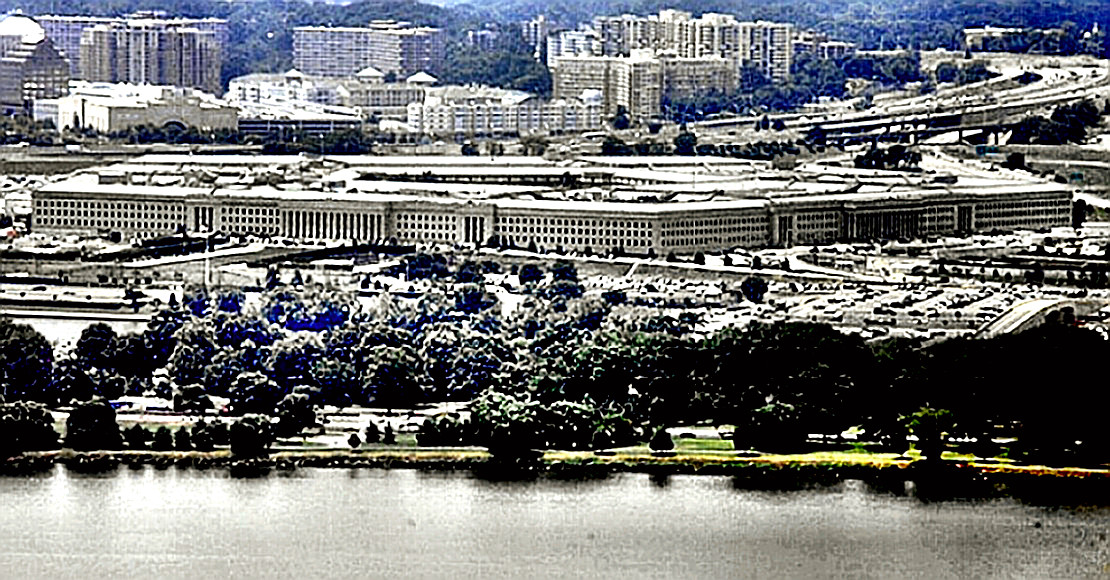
1033,313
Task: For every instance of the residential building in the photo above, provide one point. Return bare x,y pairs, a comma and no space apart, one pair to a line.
484,39
821,46
458,111
390,47
684,78
150,51
572,43
535,32
768,47
65,31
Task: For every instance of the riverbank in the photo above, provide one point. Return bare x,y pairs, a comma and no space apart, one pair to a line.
899,475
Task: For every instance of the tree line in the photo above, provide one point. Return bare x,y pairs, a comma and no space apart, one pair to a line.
567,369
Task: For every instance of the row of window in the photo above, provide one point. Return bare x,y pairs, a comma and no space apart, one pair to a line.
577,222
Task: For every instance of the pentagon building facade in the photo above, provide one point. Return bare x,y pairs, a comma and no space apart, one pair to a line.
634,205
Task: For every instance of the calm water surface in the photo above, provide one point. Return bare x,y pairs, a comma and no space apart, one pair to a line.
378,523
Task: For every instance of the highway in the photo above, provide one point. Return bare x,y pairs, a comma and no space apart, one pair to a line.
977,105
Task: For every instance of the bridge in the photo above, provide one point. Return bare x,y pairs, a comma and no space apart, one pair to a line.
1033,313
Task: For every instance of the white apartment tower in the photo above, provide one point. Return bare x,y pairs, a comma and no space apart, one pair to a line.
151,51
65,31
388,46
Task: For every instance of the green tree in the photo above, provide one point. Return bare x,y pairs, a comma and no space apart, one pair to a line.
26,363
754,288
96,347
614,146
295,413
373,433
136,437
163,440
183,440
25,426
251,436
92,426
661,441
930,426
685,143
621,120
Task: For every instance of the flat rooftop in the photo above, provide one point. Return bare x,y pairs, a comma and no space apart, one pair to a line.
525,182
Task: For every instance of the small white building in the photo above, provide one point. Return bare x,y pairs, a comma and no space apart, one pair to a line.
366,92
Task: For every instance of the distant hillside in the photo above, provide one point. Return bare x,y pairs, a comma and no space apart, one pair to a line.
261,31
872,23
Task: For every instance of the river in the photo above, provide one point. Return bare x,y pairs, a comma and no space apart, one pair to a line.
343,523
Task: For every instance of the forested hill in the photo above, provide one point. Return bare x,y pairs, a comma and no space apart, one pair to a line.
261,38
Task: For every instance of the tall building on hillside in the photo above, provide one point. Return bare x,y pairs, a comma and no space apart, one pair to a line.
768,47
155,52
388,46
821,46
65,31
634,82
31,67
571,43
686,78
535,33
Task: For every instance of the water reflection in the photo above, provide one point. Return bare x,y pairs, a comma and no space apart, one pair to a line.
364,522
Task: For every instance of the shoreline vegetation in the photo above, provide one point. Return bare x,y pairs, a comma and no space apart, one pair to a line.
248,372
951,479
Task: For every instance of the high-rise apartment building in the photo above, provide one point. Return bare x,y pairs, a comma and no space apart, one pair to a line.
685,78
65,31
535,32
388,46
150,51
634,82
766,46
573,43
769,48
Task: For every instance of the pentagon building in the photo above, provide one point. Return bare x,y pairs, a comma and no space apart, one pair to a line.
636,205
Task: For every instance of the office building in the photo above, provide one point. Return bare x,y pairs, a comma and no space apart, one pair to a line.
112,108
634,83
637,205
31,67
